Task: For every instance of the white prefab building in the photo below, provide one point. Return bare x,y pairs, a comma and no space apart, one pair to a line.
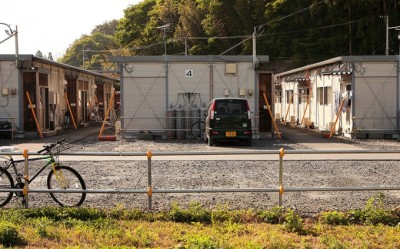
353,96
35,92
168,94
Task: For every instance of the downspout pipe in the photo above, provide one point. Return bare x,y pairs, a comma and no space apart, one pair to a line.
398,93
353,97
121,84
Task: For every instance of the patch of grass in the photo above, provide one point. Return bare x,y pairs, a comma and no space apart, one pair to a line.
293,222
335,218
375,213
333,243
202,241
58,213
195,213
197,227
9,235
274,216
44,228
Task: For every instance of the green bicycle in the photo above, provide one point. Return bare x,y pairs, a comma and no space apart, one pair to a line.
60,177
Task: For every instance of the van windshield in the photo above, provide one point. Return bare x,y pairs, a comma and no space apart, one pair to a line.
231,106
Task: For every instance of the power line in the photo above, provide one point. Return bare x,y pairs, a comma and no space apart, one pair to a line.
315,28
262,26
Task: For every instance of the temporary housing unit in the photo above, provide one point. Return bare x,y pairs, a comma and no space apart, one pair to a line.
35,92
353,96
168,94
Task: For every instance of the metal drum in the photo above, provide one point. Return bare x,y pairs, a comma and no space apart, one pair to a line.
194,122
180,123
171,123
202,118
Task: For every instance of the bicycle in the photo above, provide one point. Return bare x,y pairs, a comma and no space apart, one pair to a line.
60,177
96,114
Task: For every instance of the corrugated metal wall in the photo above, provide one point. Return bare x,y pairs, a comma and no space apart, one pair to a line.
149,89
188,78
375,89
143,96
367,89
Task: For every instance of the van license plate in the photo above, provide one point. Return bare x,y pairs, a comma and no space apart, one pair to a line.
230,134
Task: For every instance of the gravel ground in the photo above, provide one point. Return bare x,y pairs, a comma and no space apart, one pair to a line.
228,175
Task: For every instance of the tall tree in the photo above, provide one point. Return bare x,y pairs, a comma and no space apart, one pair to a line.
90,51
131,28
304,30
189,28
39,54
107,28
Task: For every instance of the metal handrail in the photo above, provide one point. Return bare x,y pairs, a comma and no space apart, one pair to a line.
150,191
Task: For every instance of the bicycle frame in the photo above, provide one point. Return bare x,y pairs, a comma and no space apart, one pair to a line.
60,177
13,165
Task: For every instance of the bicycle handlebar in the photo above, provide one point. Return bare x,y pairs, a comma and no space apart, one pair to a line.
49,147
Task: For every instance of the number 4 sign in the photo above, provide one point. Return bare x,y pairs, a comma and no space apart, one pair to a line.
189,72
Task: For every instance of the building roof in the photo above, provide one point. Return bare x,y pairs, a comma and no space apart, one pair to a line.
190,58
28,57
345,68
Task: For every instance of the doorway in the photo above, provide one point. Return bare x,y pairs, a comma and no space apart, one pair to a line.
264,86
84,107
45,112
29,87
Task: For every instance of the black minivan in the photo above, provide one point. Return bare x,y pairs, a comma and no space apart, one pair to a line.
228,119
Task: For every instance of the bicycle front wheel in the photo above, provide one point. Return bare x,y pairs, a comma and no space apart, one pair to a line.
66,178
6,182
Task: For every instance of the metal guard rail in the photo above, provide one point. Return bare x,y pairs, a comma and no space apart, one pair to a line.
280,190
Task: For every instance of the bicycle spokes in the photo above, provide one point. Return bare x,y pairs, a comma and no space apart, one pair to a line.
70,184
61,179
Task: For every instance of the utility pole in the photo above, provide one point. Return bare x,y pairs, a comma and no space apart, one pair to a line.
186,48
164,28
398,90
254,47
10,34
83,58
387,34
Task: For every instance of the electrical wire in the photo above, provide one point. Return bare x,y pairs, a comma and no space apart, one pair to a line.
260,29
315,28
290,15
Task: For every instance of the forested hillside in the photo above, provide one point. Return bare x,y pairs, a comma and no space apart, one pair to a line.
304,31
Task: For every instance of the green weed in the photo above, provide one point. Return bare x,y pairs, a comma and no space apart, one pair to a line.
293,222
202,242
335,218
375,212
195,213
333,243
274,216
58,213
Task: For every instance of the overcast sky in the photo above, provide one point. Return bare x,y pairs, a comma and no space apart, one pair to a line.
53,25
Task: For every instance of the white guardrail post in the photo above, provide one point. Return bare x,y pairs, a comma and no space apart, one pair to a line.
149,187
281,189
26,178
